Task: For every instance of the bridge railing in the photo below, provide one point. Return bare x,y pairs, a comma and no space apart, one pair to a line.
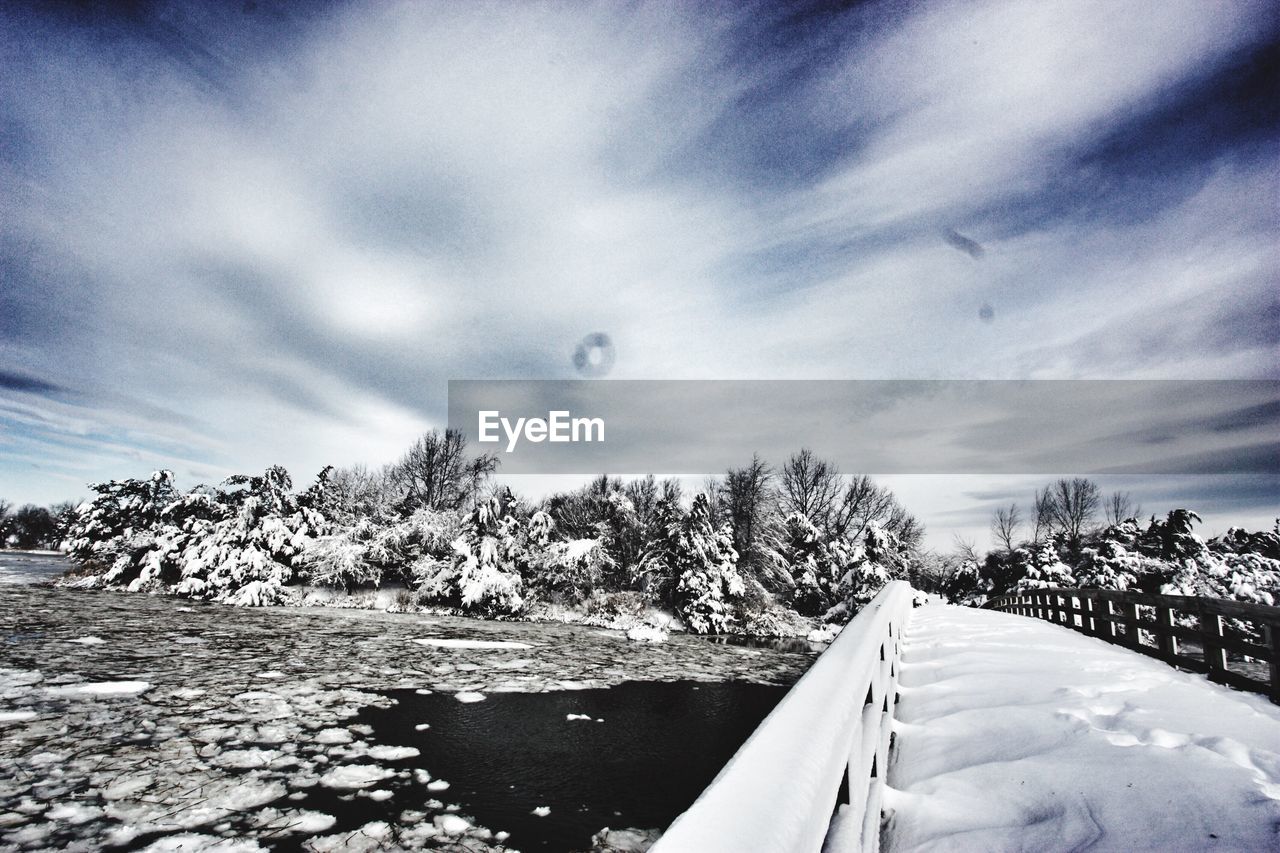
1156,625
782,790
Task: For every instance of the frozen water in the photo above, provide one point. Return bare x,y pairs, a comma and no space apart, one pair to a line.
169,739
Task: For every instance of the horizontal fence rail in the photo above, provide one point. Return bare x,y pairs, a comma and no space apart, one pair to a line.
1233,642
830,734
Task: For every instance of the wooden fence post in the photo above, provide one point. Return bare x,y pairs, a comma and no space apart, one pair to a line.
1215,656
1133,637
1164,634
1271,636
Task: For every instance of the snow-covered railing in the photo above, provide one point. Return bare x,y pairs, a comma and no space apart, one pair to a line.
780,792
1131,618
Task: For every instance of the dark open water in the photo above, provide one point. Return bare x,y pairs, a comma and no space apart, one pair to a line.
659,745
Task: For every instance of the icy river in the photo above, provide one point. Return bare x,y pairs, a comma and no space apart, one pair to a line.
135,721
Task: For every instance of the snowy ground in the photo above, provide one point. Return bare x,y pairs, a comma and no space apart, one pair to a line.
1016,734
136,720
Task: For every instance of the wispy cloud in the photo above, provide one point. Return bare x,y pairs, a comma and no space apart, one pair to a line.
291,229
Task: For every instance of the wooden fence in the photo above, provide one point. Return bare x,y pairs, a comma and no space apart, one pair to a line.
811,777
1157,625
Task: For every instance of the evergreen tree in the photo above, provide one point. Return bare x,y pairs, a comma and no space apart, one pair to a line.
708,584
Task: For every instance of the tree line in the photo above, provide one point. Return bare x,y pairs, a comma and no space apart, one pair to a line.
31,527
1074,537
757,549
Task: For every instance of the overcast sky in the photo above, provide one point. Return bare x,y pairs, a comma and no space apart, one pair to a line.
243,234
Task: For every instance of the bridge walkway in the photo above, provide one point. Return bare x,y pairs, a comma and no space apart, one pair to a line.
1016,734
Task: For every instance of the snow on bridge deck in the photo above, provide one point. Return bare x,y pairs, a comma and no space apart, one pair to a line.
1015,734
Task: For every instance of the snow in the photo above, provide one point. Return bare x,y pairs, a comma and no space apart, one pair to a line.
469,696
448,643
1015,733
576,549
542,811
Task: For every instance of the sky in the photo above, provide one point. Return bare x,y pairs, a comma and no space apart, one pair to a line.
242,234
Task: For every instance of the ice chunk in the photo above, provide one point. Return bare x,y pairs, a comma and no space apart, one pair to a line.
542,811
438,785
392,753
445,643
330,736
352,776
469,696
107,688
647,634
88,641
451,824
577,716
16,716
190,842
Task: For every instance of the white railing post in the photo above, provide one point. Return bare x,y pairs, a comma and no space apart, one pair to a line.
779,791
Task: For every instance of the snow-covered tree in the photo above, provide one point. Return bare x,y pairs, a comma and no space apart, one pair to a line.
111,534
484,575
247,556
813,563
1041,568
867,566
708,584
965,585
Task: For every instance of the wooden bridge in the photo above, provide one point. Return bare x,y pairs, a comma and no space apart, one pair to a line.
937,727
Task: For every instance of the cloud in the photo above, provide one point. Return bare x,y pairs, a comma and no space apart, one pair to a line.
289,229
